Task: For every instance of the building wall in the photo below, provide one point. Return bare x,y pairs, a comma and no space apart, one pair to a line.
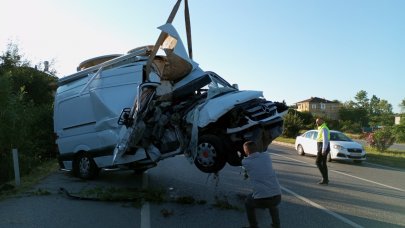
303,107
397,120
328,110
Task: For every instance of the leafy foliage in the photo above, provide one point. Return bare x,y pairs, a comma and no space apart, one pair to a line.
350,114
350,126
362,100
292,124
26,101
399,130
308,120
381,139
365,112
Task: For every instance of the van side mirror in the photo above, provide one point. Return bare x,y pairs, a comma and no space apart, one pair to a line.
125,119
236,86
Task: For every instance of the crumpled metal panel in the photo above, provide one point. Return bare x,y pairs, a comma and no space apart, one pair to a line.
213,109
178,62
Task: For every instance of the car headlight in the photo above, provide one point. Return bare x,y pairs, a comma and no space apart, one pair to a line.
338,147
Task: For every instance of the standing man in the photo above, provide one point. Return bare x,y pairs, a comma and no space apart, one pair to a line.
266,189
323,150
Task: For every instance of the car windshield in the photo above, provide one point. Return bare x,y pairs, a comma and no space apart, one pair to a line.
338,136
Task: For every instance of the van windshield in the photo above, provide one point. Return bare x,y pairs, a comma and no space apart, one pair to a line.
217,86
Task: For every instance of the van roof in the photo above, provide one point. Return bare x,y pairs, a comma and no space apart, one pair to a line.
119,60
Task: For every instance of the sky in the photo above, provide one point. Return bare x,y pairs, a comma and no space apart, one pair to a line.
291,50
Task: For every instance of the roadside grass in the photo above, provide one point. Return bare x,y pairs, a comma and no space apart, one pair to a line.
26,182
391,158
285,140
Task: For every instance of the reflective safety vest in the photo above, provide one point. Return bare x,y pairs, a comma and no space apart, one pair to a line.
320,132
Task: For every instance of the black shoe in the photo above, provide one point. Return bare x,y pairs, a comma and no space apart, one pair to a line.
323,182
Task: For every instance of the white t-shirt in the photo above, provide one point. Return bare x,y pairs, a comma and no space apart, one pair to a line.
261,174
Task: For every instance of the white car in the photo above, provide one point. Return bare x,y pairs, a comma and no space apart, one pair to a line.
341,146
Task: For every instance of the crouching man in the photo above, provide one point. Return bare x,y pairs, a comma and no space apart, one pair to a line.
266,189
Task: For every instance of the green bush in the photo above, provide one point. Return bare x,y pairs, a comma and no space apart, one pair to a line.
381,139
292,124
350,127
399,131
308,120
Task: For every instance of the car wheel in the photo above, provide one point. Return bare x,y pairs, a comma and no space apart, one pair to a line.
357,161
85,167
210,156
300,150
329,157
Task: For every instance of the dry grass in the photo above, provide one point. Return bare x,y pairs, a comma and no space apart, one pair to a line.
28,181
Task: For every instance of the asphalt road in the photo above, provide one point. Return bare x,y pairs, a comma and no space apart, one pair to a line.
364,195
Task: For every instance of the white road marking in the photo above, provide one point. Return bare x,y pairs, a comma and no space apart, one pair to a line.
145,210
384,166
384,185
341,218
331,170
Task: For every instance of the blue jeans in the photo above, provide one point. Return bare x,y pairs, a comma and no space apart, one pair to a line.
271,203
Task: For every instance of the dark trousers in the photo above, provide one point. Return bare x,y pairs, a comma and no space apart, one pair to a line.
271,203
321,161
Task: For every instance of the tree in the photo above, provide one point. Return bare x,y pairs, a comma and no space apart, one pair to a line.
373,107
292,124
11,58
362,99
382,114
353,117
307,118
26,103
367,112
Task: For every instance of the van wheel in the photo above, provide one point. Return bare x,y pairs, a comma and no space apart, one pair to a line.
210,154
234,152
85,167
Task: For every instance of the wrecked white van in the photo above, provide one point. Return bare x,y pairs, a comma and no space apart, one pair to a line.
136,109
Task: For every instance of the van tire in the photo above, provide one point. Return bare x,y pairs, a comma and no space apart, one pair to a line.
210,156
85,167
235,154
